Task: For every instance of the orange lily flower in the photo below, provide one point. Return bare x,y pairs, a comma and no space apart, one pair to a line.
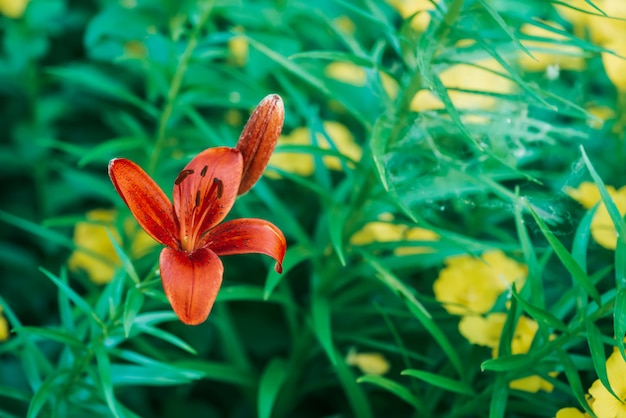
191,228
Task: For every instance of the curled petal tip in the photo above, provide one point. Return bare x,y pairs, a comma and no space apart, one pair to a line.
258,139
278,267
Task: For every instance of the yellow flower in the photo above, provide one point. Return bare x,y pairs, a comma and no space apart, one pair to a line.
135,49
602,113
487,331
583,20
605,405
238,50
368,363
345,24
615,66
606,29
95,253
548,54
4,327
470,285
417,234
483,77
571,413
13,8
602,228
303,163
587,193
416,8
346,72
380,231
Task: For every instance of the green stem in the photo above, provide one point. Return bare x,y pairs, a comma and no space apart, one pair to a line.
174,89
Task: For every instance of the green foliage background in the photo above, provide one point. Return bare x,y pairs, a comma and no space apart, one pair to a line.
74,96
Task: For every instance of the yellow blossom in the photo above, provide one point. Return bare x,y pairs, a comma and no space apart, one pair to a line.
4,327
346,72
385,231
417,234
602,113
417,10
484,76
390,85
345,24
587,193
487,331
470,285
378,232
615,65
368,363
571,413
605,29
605,405
95,253
303,163
581,16
135,49
13,8
602,228
238,50
548,54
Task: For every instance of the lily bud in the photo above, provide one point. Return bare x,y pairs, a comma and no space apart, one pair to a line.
258,139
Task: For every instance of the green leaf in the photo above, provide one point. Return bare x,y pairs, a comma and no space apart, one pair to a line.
571,372
334,56
60,336
504,364
393,387
112,147
46,392
320,312
106,382
440,381
38,230
540,315
616,217
578,274
499,397
219,372
165,336
304,75
417,309
596,348
125,374
619,320
134,302
13,393
91,78
271,382
73,296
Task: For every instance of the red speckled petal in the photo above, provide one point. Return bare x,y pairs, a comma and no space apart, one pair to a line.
191,282
243,236
205,191
145,199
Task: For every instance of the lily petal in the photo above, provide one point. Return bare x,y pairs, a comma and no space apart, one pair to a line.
205,191
247,235
145,199
191,282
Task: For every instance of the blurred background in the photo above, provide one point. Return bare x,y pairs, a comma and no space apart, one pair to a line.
415,132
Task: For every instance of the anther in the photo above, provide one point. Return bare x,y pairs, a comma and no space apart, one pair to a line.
197,198
182,176
203,171
220,187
